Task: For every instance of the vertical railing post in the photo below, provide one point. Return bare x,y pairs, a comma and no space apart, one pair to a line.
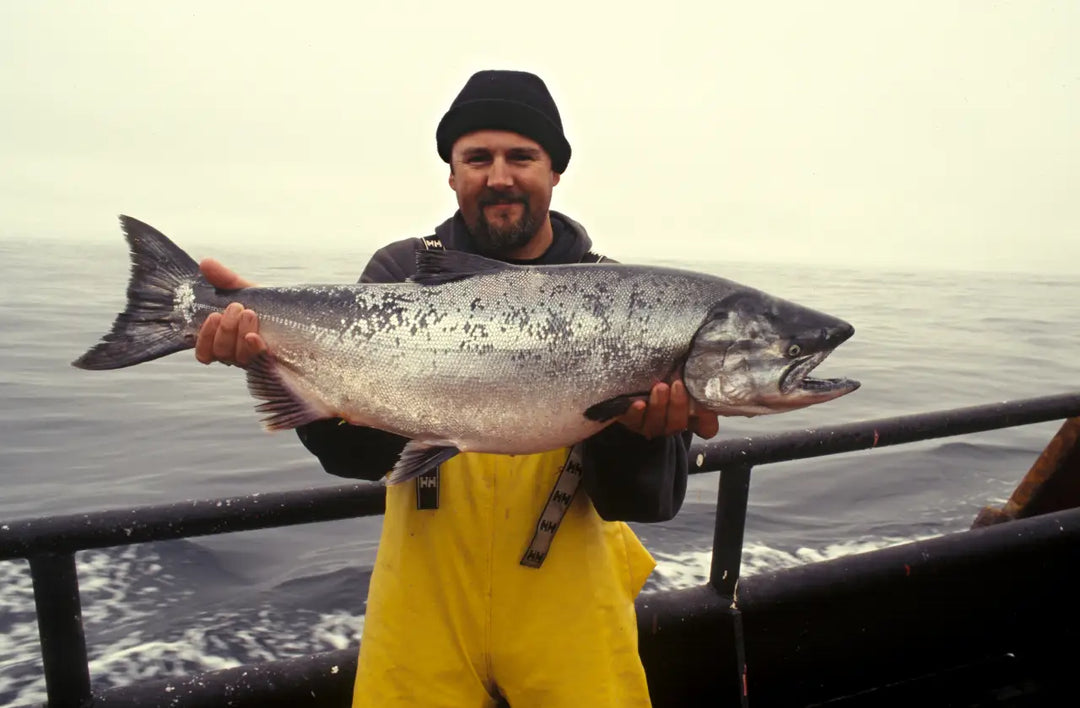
59,616
732,497
731,503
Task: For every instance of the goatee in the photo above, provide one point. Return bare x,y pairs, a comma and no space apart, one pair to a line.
502,239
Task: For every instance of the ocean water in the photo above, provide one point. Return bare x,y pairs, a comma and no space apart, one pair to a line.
169,430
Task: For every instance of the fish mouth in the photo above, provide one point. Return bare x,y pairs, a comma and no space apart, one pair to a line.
795,379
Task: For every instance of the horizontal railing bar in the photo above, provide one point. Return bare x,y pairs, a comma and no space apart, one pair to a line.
669,620
74,532
864,435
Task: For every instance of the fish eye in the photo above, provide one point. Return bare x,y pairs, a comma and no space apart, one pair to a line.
794,350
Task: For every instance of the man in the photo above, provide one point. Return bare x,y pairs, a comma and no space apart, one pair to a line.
496,576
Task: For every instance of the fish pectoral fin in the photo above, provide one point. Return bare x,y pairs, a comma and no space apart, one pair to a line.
284,401
437,266
417,458
613,407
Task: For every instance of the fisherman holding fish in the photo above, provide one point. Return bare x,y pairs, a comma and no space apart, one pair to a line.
521,406
499,577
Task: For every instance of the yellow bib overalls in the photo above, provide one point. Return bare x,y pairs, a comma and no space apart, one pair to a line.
453,618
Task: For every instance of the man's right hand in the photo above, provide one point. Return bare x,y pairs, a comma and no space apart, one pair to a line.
232,336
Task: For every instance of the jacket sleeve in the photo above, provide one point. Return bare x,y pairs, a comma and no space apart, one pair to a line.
631,478
349,450
392,264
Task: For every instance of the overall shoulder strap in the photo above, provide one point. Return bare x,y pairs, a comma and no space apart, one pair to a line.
427,484
562,494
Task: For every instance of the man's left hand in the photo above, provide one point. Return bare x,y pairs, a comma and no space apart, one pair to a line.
669,411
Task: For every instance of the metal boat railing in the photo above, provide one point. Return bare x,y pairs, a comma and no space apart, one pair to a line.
50,543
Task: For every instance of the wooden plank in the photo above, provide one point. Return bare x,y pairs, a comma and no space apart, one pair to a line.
1052,483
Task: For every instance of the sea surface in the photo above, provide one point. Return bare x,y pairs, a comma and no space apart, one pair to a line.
77,441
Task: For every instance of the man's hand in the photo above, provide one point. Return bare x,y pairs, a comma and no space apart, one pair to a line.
668,411
231,337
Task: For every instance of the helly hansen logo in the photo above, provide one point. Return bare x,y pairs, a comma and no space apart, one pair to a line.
534,556
427,490
548,526
562,497
573,467
432,243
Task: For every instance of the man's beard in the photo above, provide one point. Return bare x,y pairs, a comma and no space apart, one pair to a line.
500,240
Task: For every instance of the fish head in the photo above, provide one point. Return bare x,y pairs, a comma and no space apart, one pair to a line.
753,355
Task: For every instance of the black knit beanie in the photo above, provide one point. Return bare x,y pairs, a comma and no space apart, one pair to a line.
505,100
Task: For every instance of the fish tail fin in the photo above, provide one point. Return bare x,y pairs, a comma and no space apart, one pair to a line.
152,324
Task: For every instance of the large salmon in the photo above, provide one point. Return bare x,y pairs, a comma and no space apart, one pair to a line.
479,355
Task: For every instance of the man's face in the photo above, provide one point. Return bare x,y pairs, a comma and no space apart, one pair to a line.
503,183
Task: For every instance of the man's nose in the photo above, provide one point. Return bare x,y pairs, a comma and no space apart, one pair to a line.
500,177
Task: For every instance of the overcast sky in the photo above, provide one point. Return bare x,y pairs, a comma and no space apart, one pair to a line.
894,134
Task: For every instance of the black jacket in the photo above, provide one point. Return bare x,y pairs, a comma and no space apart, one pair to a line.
627,477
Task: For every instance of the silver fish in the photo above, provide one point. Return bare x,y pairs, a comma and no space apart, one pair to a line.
473,354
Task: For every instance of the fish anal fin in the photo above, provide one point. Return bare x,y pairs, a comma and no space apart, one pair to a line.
613,407
417,458
283,399
436,266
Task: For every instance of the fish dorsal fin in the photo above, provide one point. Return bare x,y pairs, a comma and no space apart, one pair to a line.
435,266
